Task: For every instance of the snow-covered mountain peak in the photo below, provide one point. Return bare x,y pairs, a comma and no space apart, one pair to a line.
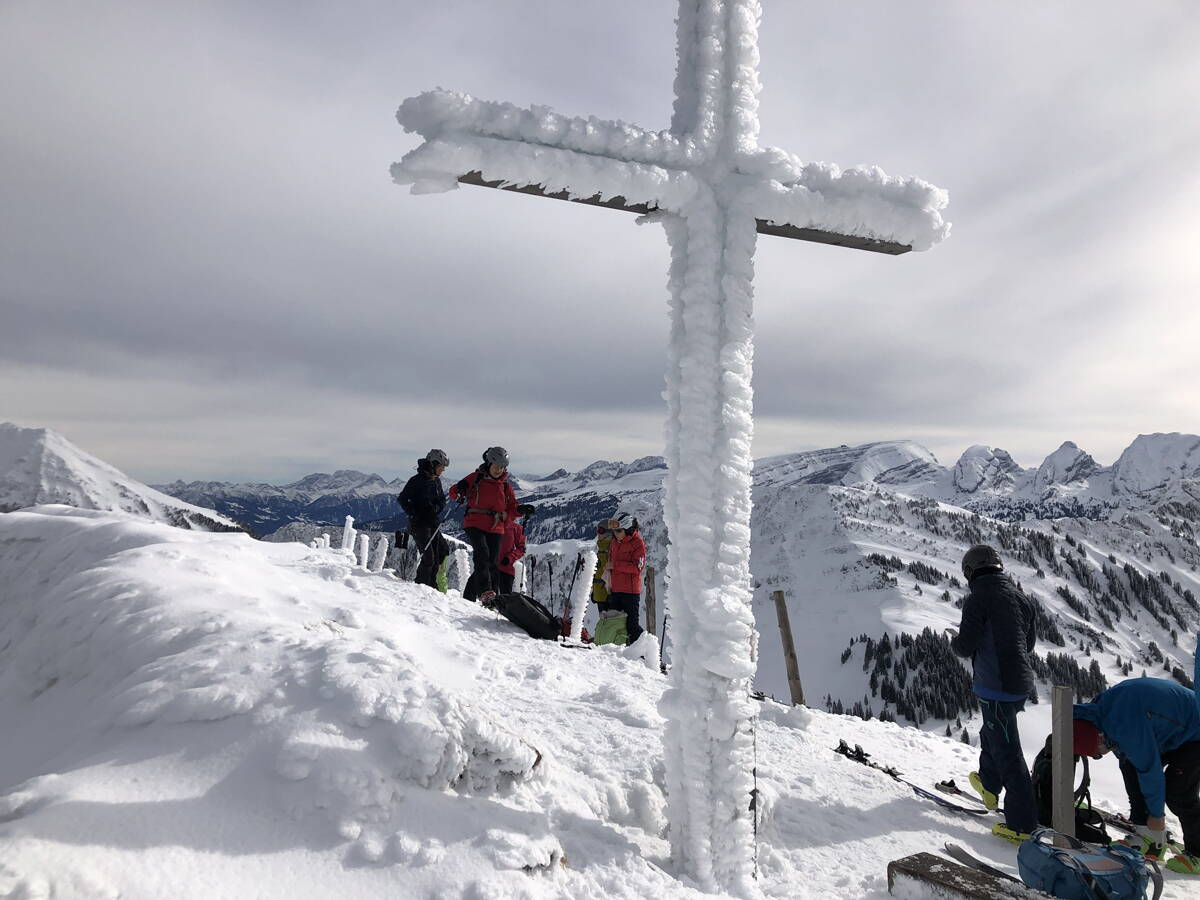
340,482
984,469
1066,465
1154,462
882,462
39,466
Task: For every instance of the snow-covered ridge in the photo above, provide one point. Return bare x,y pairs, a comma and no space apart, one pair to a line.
201,715
40,466
883,462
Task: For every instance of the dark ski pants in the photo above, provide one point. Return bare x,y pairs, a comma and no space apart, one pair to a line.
1183,791
426,538
628,604
1002,763
486,548
504,582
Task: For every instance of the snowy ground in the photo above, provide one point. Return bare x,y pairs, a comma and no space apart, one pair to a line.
189,714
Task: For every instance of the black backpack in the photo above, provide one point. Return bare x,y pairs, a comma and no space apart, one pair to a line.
525,612
1089,824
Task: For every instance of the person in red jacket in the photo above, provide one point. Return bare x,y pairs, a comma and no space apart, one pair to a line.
490,504
626,561
512,548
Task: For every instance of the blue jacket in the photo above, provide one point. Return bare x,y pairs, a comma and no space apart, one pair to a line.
1141,719
423,498
997,633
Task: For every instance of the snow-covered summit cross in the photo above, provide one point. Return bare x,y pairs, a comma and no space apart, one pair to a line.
713,188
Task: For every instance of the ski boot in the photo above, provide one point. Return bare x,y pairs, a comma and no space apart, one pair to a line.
990,800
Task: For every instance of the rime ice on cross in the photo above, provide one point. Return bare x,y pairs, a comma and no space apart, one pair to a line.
713,188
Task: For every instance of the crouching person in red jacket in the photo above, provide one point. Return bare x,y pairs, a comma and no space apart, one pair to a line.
512,548
490,504
626,562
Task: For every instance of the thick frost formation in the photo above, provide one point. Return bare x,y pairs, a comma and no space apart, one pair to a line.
714,181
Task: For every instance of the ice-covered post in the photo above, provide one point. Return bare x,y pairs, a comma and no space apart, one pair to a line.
348,533
381,552
581,591
713,188
364,549
325,539
462,568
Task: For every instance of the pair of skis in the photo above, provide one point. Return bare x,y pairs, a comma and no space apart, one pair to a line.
1112,820
858,755
948,787
954,851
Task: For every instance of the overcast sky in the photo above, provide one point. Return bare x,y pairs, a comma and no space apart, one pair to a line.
206,272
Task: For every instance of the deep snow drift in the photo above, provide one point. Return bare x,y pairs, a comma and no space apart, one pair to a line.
202,715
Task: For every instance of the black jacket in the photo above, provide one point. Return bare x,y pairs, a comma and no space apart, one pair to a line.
997,633
423,498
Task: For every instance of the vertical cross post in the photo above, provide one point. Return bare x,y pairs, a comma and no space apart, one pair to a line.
1063,773
714,189
789,649
651,603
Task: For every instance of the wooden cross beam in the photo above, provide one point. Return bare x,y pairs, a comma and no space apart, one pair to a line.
816,235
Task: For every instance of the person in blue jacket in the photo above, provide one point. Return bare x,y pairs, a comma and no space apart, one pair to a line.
997,633
1152,725
423,501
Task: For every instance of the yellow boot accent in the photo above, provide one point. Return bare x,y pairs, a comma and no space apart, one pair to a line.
1001,830
1185,863
990,800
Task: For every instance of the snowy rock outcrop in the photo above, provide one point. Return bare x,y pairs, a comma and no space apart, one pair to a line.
39,466
982,469
1066,465
1154,463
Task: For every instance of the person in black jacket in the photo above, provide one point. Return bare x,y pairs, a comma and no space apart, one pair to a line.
423,501
997,633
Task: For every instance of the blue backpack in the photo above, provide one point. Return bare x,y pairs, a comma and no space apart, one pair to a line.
1072,870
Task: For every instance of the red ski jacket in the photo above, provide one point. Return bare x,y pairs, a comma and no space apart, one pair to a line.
628,559
512,546
490,501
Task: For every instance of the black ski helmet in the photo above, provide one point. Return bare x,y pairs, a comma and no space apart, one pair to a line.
981,556
438,457
496,456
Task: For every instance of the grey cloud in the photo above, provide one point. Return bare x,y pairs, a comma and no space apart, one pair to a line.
199,229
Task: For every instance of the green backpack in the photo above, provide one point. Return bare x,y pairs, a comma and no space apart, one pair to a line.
610,629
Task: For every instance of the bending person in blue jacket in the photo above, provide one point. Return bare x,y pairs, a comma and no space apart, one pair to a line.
1152,725
997,633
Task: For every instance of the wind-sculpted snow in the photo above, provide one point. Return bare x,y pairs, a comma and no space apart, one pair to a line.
196,715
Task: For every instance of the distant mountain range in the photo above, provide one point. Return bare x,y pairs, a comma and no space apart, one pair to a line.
1154,469
317,499
39,466
864,541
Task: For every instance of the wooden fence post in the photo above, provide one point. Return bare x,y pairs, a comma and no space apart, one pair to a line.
651,603
1063,774
789,649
